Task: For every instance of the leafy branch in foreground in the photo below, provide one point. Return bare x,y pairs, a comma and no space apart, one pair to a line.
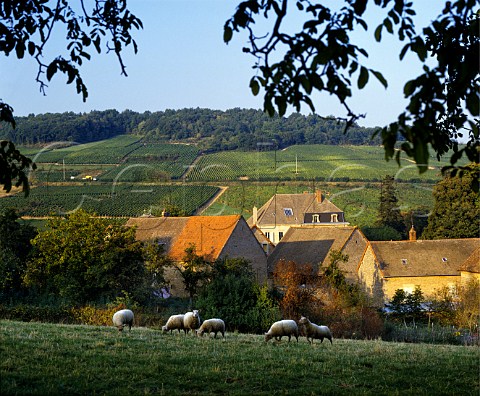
26,28
444,101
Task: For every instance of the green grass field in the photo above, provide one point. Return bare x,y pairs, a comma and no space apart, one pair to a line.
49,359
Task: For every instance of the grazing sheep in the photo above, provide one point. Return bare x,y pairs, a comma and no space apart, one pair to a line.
312,331
174,322
191,321
212,326
123,318
282,328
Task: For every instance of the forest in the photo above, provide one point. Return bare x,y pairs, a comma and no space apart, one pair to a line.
211,130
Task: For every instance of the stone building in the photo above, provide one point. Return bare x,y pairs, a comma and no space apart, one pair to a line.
213,237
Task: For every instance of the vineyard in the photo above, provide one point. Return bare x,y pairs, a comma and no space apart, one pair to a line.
359,201
318,162
128,176
129,200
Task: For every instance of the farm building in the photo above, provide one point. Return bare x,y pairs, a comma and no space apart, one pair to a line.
313,245
283,211
431,264
470,269
212,236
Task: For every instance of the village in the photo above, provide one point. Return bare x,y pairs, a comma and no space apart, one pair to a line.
305,228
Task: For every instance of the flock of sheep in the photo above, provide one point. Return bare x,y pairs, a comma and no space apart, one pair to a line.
192,321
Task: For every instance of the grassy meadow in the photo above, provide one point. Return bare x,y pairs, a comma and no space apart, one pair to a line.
41,359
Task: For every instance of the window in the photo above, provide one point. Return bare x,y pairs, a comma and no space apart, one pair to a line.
334,218
280,235
404,261
288,211
267,234
444,259
316,218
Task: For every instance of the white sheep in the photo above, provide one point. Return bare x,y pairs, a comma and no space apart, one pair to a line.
282,328
312,330
174,322
123,318
191,321
212,326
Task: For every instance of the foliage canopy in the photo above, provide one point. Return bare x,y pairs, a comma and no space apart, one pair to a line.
26,27
443,101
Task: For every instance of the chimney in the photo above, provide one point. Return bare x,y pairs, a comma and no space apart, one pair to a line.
412,234
255,216
318,196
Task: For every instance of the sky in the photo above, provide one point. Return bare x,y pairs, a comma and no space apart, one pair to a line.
183,62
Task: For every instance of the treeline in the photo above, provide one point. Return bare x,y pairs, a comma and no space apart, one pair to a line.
212,130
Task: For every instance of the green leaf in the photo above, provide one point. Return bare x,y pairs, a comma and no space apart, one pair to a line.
409,88
31,48
51,70
404,51
388,25
380,78
378,33
227,34
254,86
421,156
363,78
473,104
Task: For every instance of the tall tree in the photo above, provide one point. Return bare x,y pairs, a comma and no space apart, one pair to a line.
443,100
456,211
84,259
25,29
389,214
15,246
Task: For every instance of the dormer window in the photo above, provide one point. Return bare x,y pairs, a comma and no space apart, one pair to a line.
404,261
444,259
288,211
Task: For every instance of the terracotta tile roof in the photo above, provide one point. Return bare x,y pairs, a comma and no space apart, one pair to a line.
423,258
309,245
209,234
163,229
273,211
472,264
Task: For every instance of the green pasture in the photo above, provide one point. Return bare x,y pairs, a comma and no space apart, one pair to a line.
51,359
358,200
112,199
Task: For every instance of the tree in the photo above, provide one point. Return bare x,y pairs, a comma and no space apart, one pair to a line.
231,293
84,259
456,210
14,248
406,305
297,283
26,27
389,214
443,101
193,269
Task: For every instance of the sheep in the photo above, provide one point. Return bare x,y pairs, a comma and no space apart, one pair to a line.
212,326
191,321
123,318
312,331
174,322
282,328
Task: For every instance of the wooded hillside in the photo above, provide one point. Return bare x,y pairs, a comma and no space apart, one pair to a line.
212,130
